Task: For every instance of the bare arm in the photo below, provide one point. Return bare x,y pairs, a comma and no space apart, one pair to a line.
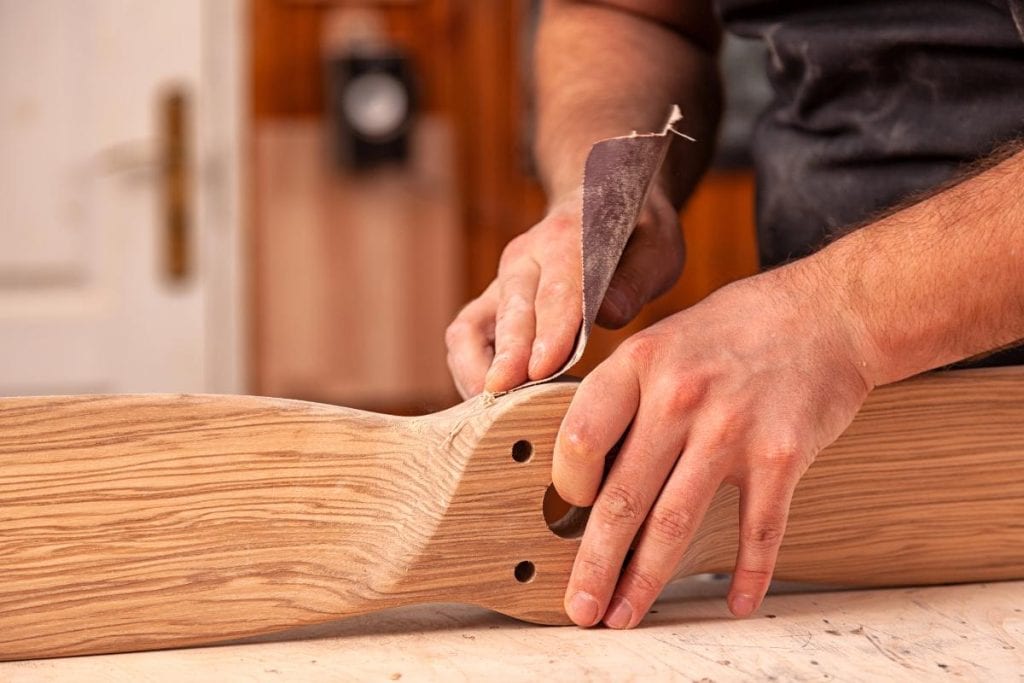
607,68
938,281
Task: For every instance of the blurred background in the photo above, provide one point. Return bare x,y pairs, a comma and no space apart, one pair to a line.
285,197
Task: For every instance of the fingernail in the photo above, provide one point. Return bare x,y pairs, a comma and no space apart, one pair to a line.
620,613
743,605
583,609
495,370
537,354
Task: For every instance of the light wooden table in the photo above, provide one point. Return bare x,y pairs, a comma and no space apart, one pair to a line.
971,632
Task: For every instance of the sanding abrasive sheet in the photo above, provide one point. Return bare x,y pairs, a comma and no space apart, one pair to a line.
616,180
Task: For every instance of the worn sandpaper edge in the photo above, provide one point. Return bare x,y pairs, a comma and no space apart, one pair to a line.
617,178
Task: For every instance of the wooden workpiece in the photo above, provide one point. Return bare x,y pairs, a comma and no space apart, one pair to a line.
972,632
146,522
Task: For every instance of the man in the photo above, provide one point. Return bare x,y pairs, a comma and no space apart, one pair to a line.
878,105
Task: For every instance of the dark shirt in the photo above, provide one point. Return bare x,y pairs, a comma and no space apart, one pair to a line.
875,102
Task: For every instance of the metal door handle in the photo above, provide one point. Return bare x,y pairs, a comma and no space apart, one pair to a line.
176,185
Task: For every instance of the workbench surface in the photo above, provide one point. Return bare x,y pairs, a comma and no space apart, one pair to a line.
972,632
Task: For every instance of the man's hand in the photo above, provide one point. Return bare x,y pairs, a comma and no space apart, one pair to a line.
602,69
744,388
523,326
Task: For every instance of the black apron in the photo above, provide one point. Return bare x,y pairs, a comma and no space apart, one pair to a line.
875,102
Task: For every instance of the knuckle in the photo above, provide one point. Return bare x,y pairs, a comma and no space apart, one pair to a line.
515,249
721,434
595,566
562,222
641,581
683,395
639,349
576,444
754,575
630,283
672,525
575,439
455,332
679,400
621,506
785,459
559,288
763,534
513,304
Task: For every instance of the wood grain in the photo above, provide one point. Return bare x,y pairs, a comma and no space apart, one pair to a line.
925,487
140,522
972,632
135,522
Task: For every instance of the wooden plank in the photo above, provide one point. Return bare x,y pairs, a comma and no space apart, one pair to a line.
926,486
157,521
134,522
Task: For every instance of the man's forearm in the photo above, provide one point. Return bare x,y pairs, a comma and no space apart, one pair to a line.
937,282
606,69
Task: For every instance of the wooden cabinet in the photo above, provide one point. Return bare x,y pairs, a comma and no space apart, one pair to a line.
355,278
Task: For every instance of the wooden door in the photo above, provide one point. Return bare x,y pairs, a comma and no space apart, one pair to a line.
117,198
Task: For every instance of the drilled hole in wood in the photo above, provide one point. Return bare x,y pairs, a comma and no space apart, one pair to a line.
566,520
525,571
522,450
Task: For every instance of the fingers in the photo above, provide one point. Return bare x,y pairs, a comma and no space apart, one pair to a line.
666,535
649,267
470,340
627,495
764,508
521,328
514,325
604,405
559,314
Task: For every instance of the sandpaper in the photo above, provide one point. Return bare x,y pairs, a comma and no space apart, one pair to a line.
617,178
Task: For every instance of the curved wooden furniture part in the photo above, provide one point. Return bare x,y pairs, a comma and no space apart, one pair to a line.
141,522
